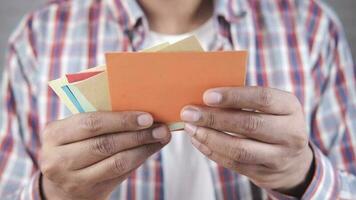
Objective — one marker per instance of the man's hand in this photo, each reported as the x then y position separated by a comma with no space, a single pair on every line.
87,155
257,132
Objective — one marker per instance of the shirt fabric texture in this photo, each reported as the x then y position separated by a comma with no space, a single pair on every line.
294,45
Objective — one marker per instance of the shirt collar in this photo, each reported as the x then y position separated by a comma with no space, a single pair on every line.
126,12
231,10
129,12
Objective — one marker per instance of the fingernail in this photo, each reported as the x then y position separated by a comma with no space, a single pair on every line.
190,129
144,120
159,133
191,115
212,98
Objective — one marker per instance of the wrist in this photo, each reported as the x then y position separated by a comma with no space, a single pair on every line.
301,180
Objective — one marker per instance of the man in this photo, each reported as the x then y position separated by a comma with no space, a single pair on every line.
292,129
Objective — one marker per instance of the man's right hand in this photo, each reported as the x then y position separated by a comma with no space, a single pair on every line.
87,155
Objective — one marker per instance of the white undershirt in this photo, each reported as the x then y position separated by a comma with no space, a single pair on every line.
186,171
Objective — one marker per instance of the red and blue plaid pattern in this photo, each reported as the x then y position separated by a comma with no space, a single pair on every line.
294,45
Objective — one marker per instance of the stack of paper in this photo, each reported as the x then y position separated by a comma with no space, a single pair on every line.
160,80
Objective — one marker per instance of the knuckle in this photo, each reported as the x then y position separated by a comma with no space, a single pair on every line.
233,152
234,97
45,135
295,103
264,97
91,122
46,169
54,168
281,163
49,168
210,119
300,141
71,188
127,121
252,123
244,155
151,148
266,181
120,165
140,137
103,145
240,154
49,132
276,163
203,136
230,163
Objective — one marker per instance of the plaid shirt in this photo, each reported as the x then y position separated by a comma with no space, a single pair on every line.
294,45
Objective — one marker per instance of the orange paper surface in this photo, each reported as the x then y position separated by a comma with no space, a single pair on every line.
163,83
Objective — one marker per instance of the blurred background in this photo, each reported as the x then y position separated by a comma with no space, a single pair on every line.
12,11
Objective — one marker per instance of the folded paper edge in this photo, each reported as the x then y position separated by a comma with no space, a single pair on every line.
56,86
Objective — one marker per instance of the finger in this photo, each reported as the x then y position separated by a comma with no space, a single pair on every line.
87,152
263,99
119,164
87,125
112,183
258,174
239,149
254,125
242,168
73,183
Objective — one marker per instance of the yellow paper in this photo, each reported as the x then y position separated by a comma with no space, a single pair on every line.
187,44
83,101
156,48
56,85
93,93
96,90
101,100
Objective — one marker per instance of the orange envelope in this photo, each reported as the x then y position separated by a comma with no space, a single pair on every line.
163,83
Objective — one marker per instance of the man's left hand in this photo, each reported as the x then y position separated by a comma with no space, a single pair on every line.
258,132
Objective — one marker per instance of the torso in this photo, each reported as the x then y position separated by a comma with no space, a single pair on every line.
278,58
